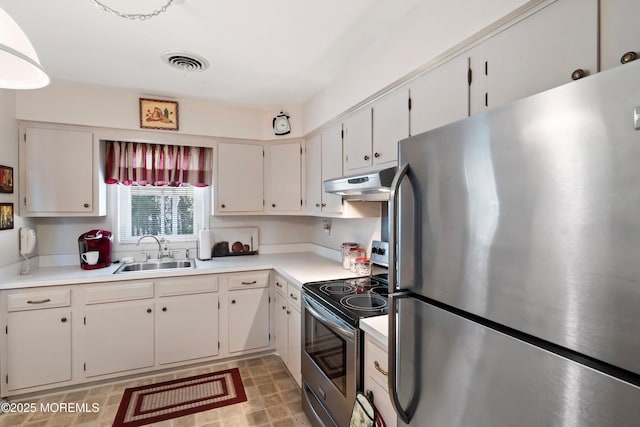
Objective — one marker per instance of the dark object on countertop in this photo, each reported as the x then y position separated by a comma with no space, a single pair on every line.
236,247
221,249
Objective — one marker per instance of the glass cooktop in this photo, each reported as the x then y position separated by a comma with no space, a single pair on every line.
351,299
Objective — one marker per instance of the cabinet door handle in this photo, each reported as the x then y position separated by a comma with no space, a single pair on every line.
578,74
379,369
284,307
253,282
293,297
40,301
317,205
323,205
366,157
86,205
376,155
273,205
233,301
223,205
278,284
164,308
149,310
63,320
288,312
628,57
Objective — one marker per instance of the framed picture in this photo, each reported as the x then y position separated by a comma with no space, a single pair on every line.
6,179
6,216
157,114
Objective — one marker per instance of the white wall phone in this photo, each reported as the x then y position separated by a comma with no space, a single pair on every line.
27,241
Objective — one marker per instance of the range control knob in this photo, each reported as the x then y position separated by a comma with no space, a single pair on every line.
381,251
375,250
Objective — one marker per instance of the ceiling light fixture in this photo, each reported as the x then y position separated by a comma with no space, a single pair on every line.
19,64
140,16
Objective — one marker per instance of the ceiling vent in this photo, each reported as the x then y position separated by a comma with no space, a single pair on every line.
185,61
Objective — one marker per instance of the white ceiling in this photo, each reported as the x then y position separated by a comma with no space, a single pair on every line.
262,54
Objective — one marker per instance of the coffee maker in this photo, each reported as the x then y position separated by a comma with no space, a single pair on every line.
95,249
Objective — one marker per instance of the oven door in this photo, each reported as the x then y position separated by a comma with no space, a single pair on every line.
330,364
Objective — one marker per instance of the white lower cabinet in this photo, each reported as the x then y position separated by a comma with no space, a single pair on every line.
248,312
288,326
281,325
65,335
38,348
375,378
248,320
187,327
118,337
294,353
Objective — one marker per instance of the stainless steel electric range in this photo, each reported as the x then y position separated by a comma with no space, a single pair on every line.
332,348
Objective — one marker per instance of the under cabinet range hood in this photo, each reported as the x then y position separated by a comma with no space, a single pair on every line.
371,186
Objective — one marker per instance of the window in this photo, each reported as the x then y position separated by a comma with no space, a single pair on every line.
177,213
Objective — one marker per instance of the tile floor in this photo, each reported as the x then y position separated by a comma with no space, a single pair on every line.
274,399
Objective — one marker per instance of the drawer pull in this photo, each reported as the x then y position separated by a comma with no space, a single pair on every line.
293,297
253,282
379,369
40,301
278,284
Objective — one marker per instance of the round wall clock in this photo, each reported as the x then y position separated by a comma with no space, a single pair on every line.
281,124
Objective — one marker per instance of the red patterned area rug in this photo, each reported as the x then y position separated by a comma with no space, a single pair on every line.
172,399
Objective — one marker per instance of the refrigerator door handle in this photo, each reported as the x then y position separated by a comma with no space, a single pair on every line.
392,378
393,226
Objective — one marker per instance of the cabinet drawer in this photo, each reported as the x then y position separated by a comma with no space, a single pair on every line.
293,296
281,285
376,362
259,279
187,285
121,292
39,299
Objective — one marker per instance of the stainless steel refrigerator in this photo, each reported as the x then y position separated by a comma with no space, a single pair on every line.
515,263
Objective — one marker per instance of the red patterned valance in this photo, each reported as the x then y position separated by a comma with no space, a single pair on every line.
134,163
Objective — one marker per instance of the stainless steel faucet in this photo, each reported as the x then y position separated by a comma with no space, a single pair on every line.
160,254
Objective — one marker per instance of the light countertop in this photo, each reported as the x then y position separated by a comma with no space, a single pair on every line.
297,268
377,327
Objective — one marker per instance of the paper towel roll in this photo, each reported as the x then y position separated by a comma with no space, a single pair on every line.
204,244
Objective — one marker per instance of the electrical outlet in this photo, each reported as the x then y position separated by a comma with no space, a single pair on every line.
326,226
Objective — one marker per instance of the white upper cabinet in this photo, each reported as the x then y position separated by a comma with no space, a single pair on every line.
619,32
239,178
549,48
440,96
60,173
284,177
323,160
313,174
390,124
357,141
331,166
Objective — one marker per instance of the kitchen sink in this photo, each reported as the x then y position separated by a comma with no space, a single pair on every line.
153,265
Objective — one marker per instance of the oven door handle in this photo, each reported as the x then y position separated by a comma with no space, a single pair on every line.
323,316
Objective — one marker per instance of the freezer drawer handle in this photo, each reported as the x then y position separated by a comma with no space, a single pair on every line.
376,364
392,377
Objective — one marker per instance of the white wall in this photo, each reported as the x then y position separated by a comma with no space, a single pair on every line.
426,33
99,106
359,230
9,240
59,236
